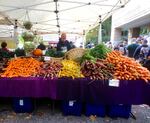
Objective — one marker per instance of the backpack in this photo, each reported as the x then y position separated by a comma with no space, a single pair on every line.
143,53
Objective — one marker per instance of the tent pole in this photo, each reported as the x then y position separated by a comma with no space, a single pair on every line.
83,39
100,31
16,33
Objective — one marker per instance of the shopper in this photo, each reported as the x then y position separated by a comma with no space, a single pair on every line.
4,47
4,52
141,51
132,47
63,44
109,45
122,49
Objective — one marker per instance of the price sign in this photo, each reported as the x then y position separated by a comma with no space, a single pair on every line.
71,103
47,58
21,102
114,83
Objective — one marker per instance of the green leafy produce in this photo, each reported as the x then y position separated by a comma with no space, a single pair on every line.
59,54
29,47
87,56
51,52
100,51
27,36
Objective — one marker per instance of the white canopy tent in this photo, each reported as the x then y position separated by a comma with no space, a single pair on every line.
54,16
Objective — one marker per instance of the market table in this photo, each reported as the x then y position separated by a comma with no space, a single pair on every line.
128,92
24,87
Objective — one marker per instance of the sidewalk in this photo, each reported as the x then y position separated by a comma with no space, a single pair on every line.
44,115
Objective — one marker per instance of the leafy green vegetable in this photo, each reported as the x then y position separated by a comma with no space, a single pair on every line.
100,51
51,52
87,56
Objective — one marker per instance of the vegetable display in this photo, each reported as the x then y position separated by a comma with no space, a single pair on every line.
126,68
70,69
49,69
87,56
22,67
98,70
100,51
115,66
51,52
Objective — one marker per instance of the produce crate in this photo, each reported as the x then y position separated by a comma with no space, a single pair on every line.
95,109
72,108
123,111
22,105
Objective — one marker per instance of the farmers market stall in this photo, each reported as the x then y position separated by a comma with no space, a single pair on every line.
98,77
98,91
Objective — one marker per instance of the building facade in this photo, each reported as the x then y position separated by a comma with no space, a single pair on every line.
134,16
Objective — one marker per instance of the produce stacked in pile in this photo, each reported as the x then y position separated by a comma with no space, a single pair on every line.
70,69
127,68
94,67
22,67
98,70
50,69
100,52
98,63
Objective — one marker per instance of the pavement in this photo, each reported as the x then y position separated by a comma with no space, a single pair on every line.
44,114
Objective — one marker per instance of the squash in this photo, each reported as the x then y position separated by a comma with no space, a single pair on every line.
37,52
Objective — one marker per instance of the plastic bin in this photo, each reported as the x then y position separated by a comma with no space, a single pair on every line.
22,105
95,109
120,110
72,108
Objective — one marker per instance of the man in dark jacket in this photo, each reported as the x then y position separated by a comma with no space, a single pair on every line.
132,47
63,44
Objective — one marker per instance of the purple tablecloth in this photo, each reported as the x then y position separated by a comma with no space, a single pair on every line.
129,92
24,87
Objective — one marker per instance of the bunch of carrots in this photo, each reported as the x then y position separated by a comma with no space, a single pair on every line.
127,68
22,67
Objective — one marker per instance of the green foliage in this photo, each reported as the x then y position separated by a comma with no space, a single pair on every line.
28,25
100,51
106,30
29,47
27,36
87,56
92,35
51,52
144,30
